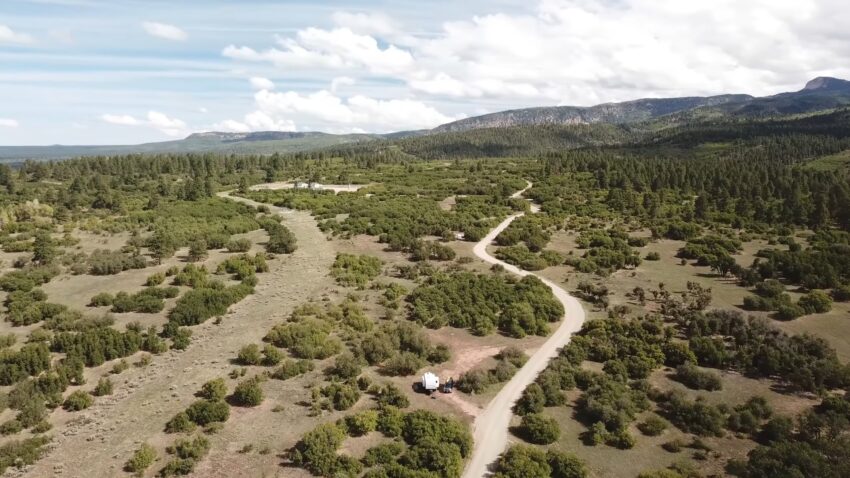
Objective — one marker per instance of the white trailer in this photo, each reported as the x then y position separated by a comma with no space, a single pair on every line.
430,382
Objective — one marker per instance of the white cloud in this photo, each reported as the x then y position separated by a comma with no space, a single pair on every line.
8,123
335,49
125,120
169,126
260,83
154,119
339,81
203,110
357,112
165,31
7,35
583,52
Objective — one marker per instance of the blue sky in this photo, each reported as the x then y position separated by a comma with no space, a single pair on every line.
130,71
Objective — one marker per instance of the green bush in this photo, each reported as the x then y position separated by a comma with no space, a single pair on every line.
355,271
204,412
104,387
78,400
248,393
292,368
141,460
155,279
815,302
238,245
383,454
250,355
102,299
22,452
198,305
316,451
652,426
342,395
522,461
540,429
271,355
180,424
653,256
697,379
214,390
361,423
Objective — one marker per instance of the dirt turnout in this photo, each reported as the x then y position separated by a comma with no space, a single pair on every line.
146,398
490,429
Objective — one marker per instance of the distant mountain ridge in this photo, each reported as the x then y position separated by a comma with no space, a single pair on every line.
819,94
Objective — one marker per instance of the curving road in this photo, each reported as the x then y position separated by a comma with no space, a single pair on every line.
490,429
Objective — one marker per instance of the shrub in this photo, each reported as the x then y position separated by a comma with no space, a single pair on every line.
532,400
238,245
539,429
104,387
204,412
361,423
141,460
565,465
697,379
789,312
342,396
383,454
653,256
652,426
250,355
815,302
391,395
316,451
180,424
214,390
403,364
271,355
352,270
11,427
291,368
695,417
248,393
155,279
102,299
521,461
78,400
198,305
22,452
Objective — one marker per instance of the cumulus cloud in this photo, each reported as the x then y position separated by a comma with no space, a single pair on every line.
165,31
8,123
261,83
326,111
169,126
154,119
7,35
585,52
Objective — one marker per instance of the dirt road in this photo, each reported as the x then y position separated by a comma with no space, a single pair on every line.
490,429
101,438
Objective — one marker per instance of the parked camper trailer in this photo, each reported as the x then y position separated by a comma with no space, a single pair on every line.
430,382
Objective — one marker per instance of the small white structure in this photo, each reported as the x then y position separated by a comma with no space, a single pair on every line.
430,382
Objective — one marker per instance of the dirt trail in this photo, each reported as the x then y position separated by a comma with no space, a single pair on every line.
100,439
490,429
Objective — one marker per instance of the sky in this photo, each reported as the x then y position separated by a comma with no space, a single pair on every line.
134,71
